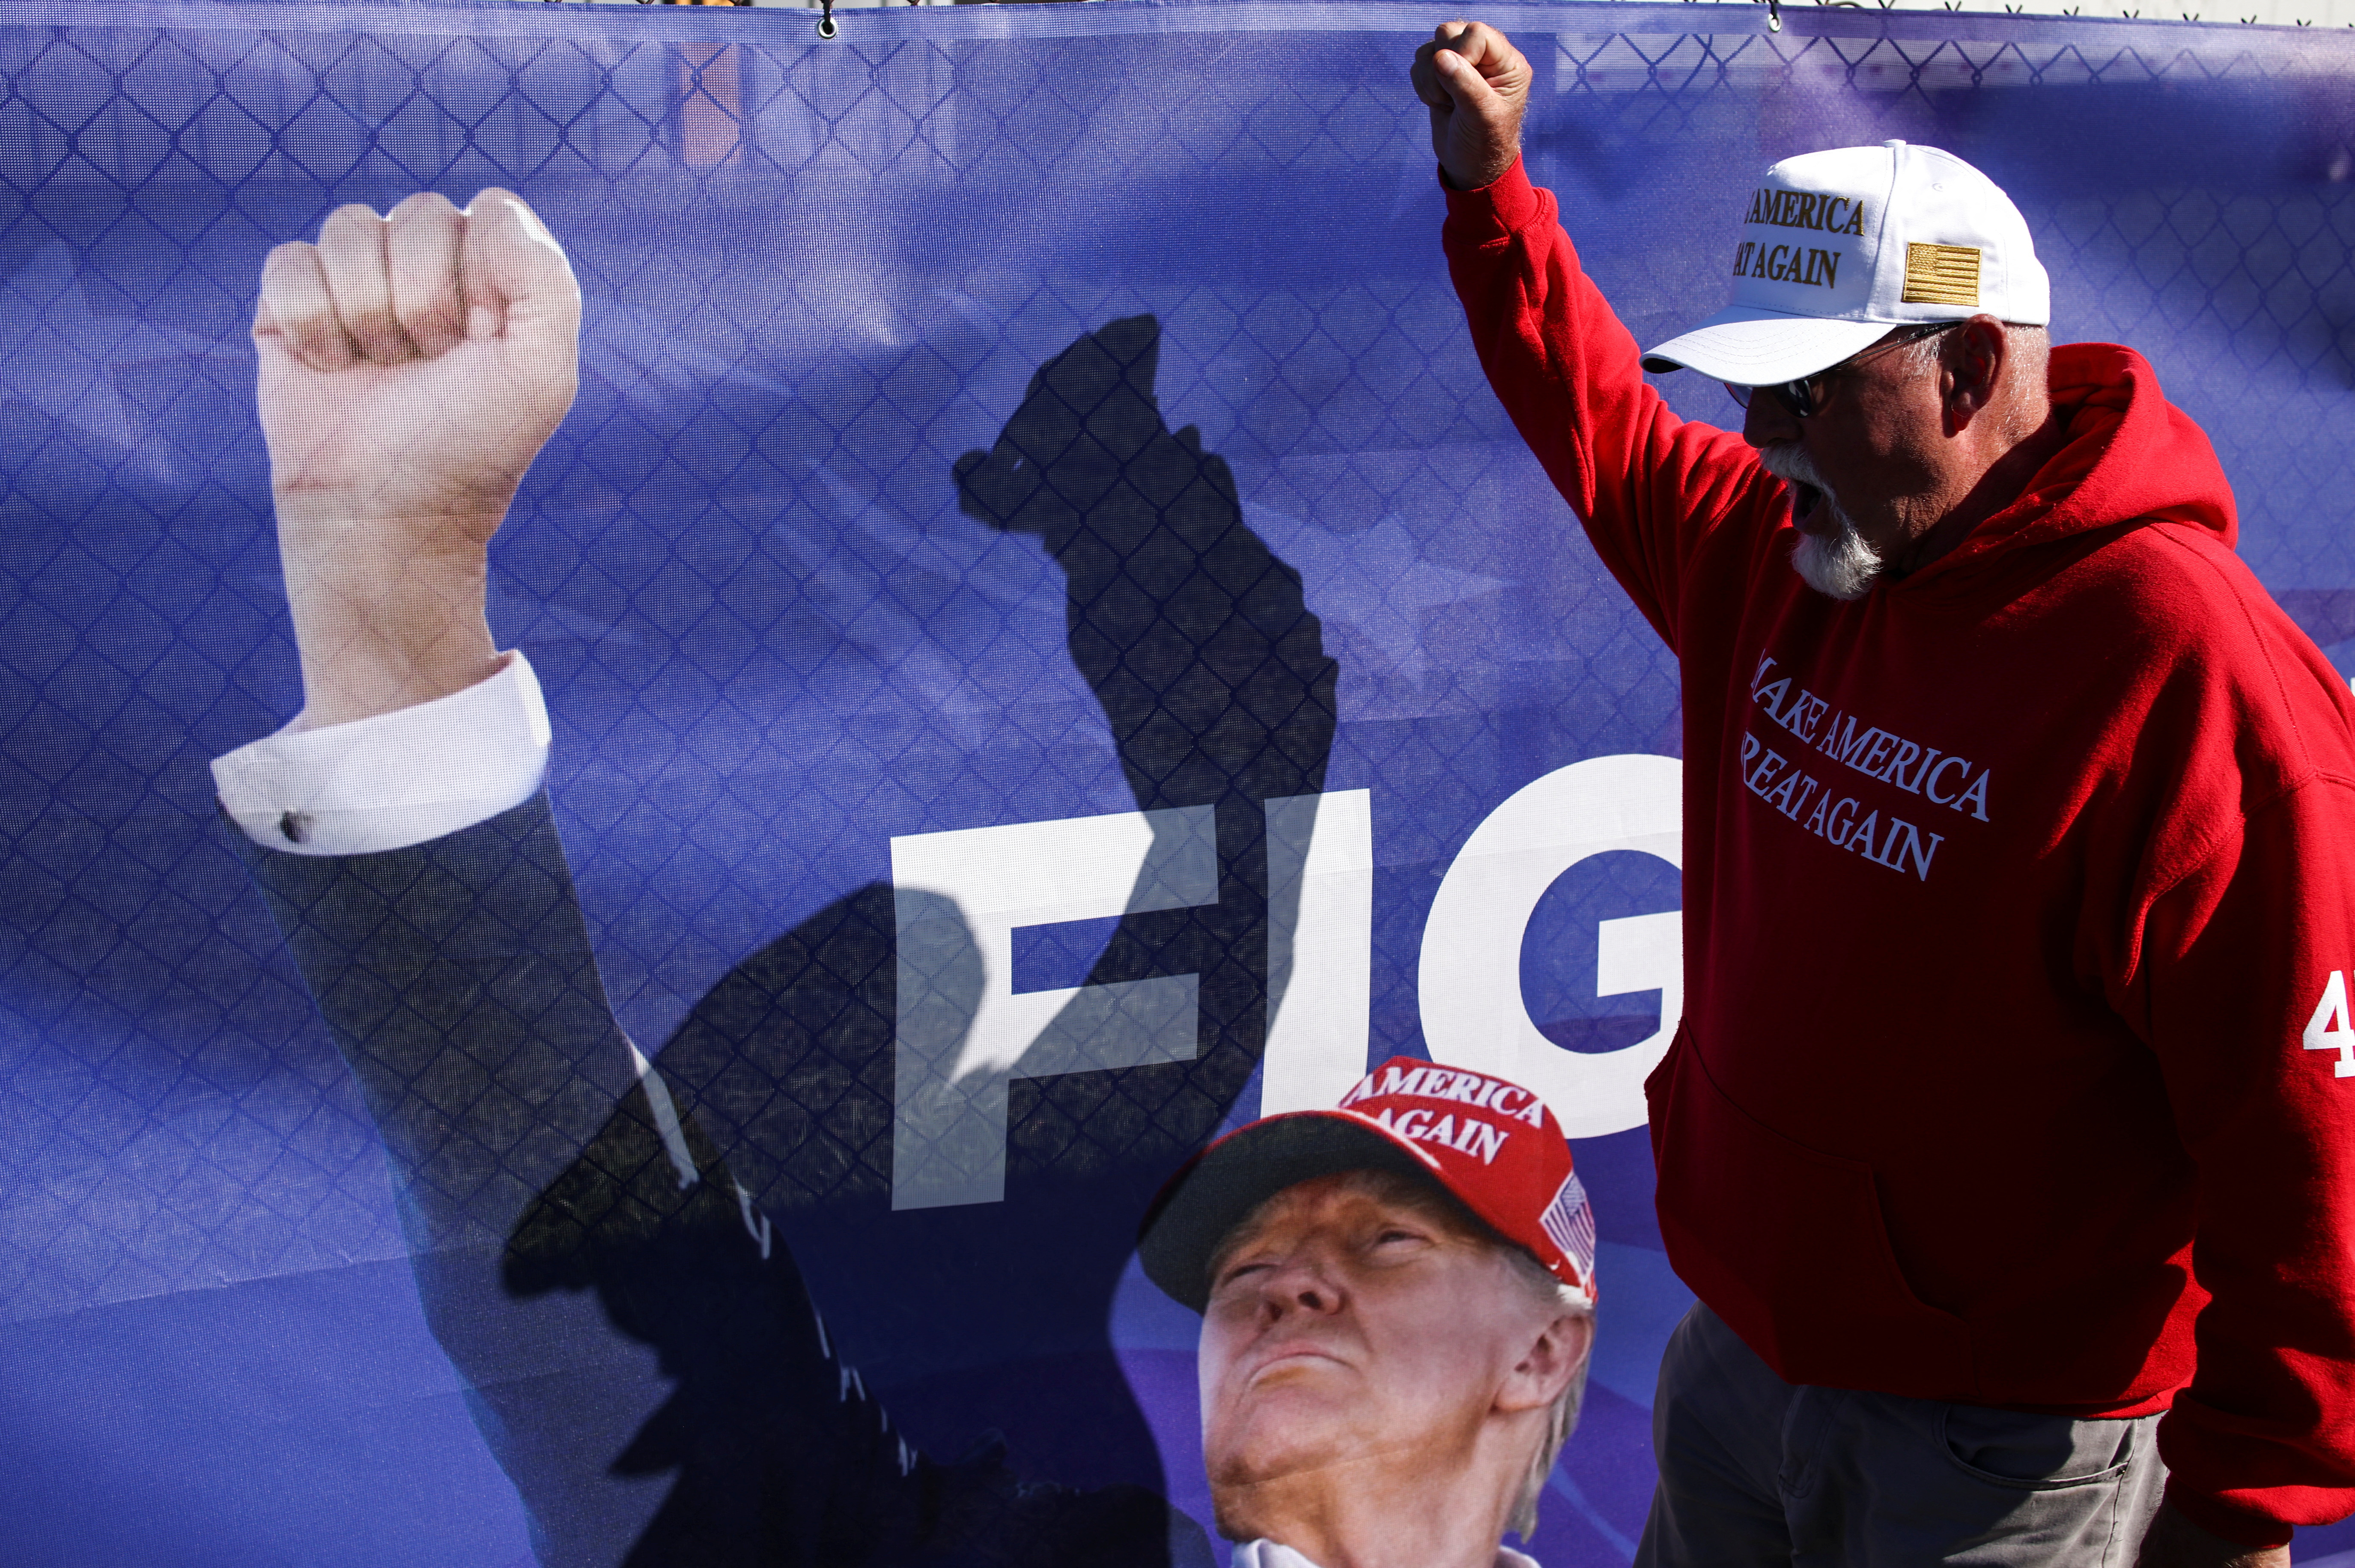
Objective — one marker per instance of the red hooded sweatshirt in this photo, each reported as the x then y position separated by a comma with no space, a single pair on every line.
2017,1066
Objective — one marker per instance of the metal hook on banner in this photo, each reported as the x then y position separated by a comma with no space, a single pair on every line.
825,27
1773,16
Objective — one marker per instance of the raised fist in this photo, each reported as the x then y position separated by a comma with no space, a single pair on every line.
411,367
1476,86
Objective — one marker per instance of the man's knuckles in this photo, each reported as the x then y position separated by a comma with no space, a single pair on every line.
425,293
353,256
434,324
424,208
297,311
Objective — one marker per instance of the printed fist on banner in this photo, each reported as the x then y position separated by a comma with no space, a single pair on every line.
411,368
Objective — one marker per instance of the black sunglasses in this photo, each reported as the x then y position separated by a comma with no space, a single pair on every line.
1802,397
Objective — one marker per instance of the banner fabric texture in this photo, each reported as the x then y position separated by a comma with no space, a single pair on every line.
1030,645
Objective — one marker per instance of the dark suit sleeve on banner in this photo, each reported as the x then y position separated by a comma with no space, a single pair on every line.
644,1356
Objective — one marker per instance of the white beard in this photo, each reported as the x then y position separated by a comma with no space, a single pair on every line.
1839,564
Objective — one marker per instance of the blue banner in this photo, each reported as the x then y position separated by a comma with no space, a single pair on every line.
1051,649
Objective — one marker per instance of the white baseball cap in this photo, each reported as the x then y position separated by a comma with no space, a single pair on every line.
1839,247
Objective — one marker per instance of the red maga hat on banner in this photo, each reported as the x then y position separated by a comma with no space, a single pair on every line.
1492,1144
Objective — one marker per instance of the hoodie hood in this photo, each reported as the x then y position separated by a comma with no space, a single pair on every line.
2131,456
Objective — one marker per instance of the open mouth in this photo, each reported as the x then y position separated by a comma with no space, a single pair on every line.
1806,502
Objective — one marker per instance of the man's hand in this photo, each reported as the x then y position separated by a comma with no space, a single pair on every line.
412,366
2174,1541
1476,86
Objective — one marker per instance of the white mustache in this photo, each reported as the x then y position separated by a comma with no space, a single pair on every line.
1839,564
1789,461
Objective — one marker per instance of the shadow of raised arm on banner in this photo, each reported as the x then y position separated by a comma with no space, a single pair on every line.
990,1320
1212,673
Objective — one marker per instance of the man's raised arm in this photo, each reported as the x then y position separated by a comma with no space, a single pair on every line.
412,366
1649,486
1476,86
638,1346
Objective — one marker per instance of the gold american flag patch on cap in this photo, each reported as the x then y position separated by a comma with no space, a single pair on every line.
1941,275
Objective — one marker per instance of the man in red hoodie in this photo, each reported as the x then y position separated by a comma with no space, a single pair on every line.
2012,1115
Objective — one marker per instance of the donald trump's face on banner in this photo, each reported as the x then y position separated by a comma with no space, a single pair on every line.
1394,1339
1362,1321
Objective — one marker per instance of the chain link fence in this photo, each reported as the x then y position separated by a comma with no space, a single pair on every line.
777,628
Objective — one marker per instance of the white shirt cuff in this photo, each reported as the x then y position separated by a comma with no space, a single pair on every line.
399,778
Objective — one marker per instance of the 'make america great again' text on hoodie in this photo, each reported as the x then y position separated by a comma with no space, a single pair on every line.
2019,903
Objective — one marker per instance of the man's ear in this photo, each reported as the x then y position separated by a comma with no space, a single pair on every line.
1971,365
1537,1379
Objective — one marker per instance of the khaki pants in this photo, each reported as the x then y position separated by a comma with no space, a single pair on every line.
1754,1470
